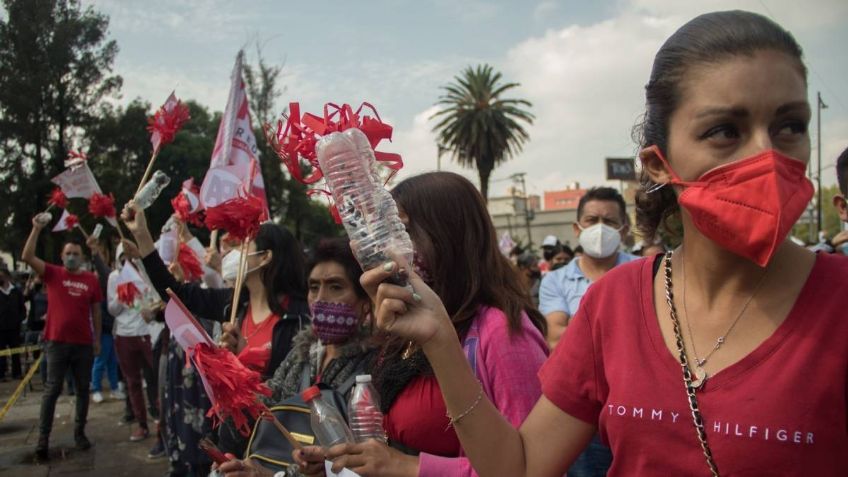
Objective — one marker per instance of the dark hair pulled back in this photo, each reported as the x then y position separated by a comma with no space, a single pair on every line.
708,38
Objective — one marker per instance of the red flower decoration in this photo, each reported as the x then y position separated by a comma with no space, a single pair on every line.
71,221
128,293
239,217
58,198
188,261
234,387
101,205
165,123
75,159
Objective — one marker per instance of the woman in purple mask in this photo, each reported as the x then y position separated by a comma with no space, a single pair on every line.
337,345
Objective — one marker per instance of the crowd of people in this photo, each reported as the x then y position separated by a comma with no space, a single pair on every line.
715,346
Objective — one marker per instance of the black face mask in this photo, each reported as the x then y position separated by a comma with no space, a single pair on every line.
548,255
536,274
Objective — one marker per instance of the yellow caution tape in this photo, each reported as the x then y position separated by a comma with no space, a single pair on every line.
22,349
24,382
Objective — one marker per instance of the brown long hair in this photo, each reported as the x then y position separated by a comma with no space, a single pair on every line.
447,213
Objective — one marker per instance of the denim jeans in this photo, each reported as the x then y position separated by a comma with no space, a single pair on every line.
60,358
106,361
595,461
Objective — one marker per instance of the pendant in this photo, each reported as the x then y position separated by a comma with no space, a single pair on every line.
700,377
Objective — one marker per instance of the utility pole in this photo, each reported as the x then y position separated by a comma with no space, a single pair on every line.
819,106
519,178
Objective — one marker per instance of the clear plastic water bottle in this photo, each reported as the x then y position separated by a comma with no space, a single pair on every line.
368,211
366,419
148,194
44,218
328,424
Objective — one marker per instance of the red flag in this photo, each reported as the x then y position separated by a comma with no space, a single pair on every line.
167,120
233,168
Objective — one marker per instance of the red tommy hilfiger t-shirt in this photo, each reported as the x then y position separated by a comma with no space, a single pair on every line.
780,410
69,300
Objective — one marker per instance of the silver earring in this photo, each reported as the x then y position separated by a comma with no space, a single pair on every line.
655,188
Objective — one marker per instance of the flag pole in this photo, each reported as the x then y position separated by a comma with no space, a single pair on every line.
148,171
239,281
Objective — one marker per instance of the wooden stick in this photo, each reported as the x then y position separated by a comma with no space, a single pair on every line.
239,282
285,432
213,240
84,233
147,171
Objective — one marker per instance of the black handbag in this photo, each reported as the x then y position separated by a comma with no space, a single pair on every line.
269,448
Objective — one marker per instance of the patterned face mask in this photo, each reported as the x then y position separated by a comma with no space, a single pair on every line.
334,323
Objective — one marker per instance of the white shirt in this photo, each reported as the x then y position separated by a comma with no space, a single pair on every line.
128,321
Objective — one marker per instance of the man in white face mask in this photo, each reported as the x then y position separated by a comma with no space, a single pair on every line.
840,201
601,225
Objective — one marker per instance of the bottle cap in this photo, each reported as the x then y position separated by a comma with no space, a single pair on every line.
363,378
310,393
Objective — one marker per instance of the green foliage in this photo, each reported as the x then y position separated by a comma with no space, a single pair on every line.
477,126
55,68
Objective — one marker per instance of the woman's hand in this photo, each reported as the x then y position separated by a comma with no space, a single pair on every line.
130,249
418,315
373,458
213,259
310,460
244,468
232,338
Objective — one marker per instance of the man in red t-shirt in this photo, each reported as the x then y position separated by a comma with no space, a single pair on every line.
71,333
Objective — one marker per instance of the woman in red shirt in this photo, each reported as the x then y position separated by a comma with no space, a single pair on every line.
727,356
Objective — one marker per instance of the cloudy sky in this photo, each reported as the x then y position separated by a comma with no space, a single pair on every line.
582,64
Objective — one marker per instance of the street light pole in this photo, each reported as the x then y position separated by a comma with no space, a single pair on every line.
519,177
819,106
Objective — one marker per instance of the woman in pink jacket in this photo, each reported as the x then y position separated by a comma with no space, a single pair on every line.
501,332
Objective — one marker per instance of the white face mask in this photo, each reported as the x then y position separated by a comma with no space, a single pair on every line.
599,240
230,265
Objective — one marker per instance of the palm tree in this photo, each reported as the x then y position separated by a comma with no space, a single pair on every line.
477,127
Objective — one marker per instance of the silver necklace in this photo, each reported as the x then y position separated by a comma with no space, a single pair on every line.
700,373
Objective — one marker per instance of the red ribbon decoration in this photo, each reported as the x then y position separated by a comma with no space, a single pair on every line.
188,261
298,136
168,122
128,293
101,205
182,207
234,387
58,198
240,217
71,221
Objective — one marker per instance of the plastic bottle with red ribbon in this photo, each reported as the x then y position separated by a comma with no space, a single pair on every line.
367,210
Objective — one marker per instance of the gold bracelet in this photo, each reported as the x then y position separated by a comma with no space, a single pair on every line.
455,420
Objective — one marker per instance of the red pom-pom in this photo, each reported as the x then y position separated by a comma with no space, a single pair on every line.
239,217
167,121
182,207
233,386
58,198
128,293
71,221
188,261
101,205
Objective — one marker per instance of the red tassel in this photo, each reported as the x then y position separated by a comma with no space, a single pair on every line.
71,221
234,387
167,122
101,205
239,217
182,207
188,261
58,198
128,293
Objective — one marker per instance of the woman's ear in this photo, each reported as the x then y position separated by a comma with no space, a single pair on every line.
654,165
268,258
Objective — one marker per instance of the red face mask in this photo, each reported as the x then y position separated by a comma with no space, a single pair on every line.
747,206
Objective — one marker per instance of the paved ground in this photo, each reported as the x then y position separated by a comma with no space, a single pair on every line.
112,453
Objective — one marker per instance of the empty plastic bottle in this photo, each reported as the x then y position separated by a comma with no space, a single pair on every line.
366,419
148,194
367,210
328,425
